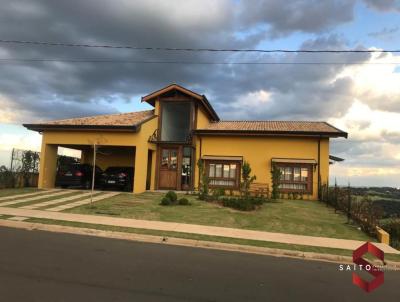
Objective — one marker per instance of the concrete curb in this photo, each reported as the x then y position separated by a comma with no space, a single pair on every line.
186,242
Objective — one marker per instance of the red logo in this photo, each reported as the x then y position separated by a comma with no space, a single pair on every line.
368,267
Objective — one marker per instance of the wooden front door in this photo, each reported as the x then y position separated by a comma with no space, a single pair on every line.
168,176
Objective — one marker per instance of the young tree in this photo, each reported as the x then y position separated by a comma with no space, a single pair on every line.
203,180
247,178
275,176
30,160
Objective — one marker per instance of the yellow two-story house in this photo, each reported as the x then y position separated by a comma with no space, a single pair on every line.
164,145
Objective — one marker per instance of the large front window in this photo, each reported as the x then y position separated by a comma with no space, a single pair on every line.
175,122
295,178
223,174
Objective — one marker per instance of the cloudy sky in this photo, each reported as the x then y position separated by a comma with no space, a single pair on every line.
363,99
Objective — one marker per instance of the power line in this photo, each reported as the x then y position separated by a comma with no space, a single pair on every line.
42,43
113,61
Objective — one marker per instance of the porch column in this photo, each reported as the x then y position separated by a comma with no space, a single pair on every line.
139,181
153,170
48,165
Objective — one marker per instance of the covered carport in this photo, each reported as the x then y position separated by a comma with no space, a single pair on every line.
106,156
115,145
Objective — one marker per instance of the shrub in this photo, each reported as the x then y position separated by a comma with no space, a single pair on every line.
243,204
391,208
172,196
183,201
247,179
275,177
218,192
204,180
165,201
393,228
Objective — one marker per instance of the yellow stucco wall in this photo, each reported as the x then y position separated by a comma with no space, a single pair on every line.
116,158
202,119
258,151
139,140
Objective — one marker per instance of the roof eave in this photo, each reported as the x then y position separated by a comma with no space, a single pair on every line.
270,133
150,99
43,127
211,110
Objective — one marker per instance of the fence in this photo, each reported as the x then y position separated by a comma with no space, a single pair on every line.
24,169
361,210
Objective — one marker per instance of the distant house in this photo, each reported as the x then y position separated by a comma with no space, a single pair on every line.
164,145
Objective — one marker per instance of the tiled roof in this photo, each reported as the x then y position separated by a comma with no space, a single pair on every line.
272,127
120,119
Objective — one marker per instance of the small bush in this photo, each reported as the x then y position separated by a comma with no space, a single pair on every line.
183,201
243,204
165,201
172,196
218,192
393,228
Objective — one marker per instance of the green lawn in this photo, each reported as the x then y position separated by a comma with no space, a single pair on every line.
301,217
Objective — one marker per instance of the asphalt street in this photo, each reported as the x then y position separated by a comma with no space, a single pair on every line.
44,266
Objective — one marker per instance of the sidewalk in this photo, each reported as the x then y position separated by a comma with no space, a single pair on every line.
196,229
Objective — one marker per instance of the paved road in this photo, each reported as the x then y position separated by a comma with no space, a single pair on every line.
42,266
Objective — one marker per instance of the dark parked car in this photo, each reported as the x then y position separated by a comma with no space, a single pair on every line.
77,175
117,177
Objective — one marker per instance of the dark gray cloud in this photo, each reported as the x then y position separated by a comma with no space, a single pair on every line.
384,5
298,91
385,32
283,17
50,90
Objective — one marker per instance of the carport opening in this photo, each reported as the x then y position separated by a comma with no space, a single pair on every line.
114,166
67,156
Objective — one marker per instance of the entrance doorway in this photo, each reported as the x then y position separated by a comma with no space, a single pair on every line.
168,168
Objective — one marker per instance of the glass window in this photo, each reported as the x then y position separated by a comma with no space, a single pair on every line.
232,172
218,170
186,168
295,178
304,174
169,159
174,159
175,126
288,173
296,174
211,172
187,152
165,158
226,171
223,174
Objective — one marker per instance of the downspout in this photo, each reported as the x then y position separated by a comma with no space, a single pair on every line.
200,147
319,167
